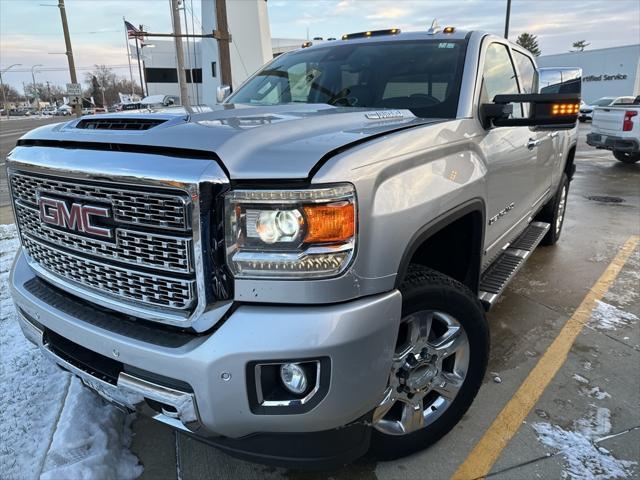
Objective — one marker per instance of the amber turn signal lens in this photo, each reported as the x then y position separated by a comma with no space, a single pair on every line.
330,223
565,108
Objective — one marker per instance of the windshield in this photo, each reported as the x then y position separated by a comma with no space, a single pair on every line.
603,102
422,76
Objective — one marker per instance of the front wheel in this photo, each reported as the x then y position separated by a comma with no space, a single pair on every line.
626,157
439,363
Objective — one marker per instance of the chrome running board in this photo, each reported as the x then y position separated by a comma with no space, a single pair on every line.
498,275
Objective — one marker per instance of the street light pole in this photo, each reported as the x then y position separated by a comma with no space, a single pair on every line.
506,21
67,41
36,96
4,94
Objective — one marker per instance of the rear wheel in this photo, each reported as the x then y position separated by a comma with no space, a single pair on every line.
439,363
626,157
554,212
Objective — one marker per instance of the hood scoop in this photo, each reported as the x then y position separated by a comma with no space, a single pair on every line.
119,123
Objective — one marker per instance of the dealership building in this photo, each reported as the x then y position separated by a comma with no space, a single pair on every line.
606,72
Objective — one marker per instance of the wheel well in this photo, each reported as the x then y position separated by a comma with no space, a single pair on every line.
569,166
454,250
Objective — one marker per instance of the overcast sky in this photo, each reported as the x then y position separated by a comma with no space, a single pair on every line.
31,33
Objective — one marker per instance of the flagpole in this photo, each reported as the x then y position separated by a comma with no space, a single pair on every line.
139,67
126,37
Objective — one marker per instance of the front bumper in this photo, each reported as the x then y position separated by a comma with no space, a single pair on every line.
609,142
358,337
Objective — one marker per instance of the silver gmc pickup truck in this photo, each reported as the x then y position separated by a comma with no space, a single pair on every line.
298,275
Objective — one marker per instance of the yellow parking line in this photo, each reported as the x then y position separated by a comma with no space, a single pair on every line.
481,459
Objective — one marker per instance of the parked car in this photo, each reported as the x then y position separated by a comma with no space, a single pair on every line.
298,278
617,128
49,110
586,111
64,110
19,112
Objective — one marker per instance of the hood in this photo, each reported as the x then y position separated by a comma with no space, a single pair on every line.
253,142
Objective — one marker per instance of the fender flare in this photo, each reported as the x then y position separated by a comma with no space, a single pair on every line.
476,205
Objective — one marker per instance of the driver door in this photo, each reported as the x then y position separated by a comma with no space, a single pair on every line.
511,157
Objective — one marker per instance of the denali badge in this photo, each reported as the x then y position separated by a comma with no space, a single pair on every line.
384,115
77,217
501,213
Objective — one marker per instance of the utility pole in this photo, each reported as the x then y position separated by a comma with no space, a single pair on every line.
77,109
182,76
223,37
49,91
506,21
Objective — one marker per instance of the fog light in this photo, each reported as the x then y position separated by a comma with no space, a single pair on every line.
294,378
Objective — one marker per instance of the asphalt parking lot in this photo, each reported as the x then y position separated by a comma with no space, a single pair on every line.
10,131
538,415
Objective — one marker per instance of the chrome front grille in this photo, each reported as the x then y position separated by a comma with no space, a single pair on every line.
168,253
149,263
126,284
131,206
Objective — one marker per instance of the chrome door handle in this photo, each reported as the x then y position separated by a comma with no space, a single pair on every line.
553,134
531,144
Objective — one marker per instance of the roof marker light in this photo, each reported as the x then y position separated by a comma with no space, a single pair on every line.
448,30
371,33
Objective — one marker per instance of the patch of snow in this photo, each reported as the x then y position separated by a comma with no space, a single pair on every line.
587,365
580,378
626,287
608,317
597,393
49,424
91,441
583,458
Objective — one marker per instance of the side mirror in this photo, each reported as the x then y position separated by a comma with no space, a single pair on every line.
557,111
555,107
222,92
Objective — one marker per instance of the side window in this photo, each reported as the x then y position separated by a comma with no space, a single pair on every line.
499,76
527,72
526,76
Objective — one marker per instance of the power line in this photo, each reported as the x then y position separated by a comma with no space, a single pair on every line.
64,69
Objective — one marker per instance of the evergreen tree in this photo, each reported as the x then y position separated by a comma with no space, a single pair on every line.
530,42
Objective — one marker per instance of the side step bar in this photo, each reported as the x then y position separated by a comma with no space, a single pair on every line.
498,275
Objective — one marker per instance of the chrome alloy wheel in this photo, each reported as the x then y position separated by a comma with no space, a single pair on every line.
429,367
562,205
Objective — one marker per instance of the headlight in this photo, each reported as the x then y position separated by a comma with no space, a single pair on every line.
290,233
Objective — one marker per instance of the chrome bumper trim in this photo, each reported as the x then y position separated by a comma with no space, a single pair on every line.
179,408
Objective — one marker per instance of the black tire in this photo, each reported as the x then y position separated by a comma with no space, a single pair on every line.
554,213
582,119
426,289
627,157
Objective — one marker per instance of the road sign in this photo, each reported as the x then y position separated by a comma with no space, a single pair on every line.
74,89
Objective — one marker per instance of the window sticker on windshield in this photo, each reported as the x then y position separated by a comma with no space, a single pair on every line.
446,45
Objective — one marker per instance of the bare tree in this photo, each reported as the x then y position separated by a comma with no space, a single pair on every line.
104,79
11,94
45,91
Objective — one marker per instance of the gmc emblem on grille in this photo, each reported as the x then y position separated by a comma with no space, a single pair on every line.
76,217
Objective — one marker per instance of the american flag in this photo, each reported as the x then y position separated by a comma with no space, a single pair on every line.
131,30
